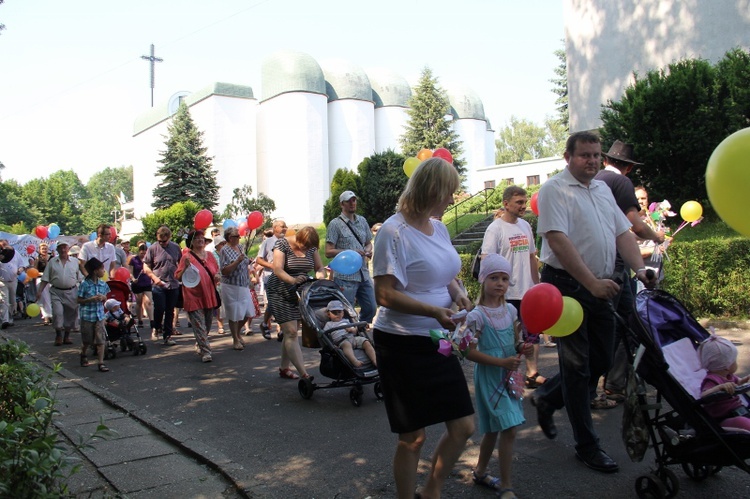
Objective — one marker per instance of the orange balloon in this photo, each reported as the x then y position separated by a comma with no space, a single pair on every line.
424,154
33,273
290,232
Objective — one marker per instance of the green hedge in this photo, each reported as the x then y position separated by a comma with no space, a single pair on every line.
710,277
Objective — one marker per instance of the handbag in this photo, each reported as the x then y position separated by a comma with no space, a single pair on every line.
476,264
216,291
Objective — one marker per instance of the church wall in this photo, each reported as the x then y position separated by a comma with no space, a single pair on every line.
517,173
473,134
489,148
390,123
229,126
351,133
293,155
607,41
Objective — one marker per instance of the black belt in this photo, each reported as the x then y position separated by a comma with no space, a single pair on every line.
555,271
64,289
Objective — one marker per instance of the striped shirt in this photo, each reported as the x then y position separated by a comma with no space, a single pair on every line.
239,277
92,311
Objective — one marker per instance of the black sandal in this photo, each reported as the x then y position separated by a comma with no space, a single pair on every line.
531,381
103,368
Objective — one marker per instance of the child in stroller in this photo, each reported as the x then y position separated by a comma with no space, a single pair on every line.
719,358
119,323
345,336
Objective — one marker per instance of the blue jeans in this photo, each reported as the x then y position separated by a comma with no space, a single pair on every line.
363,292
165,300
584,357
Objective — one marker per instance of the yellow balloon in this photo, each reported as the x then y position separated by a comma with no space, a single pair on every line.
691,211
728,179
570,320
105,277
410,165
32,310
424,154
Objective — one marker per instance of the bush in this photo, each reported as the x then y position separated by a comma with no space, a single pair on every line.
710,276
33,463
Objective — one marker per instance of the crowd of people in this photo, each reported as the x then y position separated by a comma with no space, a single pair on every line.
594,242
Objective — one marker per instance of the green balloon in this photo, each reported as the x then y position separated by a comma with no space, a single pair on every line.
728,180
570,320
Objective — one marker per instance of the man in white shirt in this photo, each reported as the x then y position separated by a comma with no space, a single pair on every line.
101,249
511,237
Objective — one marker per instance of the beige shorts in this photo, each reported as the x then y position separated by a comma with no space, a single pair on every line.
92,333
356,341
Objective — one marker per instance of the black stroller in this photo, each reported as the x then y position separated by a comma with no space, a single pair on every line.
680,430
314,297
126,334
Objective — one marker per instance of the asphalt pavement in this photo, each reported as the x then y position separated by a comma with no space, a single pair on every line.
234,428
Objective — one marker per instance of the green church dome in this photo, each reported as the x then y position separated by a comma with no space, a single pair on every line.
389,88
288,71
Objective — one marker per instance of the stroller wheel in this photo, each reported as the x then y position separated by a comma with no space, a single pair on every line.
378,391
650,487
306,388
112,352
123,346
142,348
355,395
671,483
697,472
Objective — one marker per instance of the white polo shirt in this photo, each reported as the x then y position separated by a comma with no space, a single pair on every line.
588,215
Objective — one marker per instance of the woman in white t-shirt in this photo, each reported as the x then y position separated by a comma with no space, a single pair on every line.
414,269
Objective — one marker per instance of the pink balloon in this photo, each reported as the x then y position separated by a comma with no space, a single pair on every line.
443,153
203,219
254,220
243,229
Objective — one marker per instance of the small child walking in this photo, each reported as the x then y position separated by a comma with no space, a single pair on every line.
92,293
719,358
347,338
499,411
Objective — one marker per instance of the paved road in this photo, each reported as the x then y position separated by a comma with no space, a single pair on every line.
325,447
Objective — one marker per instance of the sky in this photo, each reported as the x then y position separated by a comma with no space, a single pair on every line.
72,80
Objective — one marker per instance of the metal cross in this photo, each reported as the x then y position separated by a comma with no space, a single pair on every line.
152,59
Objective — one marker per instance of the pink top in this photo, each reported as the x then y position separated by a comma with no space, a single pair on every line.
204,294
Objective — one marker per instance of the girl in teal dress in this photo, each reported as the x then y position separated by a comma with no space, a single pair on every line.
495,324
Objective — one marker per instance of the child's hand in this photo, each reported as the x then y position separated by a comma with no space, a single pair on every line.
744,380
510,363
728,387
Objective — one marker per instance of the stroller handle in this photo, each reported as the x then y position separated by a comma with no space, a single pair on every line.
738,390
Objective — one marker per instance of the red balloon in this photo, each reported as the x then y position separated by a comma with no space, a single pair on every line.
254,220
243,229
112,234
30,249
41,231
541,307
443,153
122,274
535,203
203,219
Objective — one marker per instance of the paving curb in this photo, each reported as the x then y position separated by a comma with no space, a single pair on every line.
200,451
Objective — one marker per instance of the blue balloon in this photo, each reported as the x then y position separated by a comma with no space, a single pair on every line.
148,244
92,236
346,262
53,231
22,277
229,223
52,246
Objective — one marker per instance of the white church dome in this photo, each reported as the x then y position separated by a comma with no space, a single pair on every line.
465,103
288,71
345,80
389,88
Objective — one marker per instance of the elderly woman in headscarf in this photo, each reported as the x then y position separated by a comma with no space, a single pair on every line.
235,285
199,298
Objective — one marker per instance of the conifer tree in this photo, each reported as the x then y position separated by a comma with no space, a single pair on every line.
561,87
428,127
186,170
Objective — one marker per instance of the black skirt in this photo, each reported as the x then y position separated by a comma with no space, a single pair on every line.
421,387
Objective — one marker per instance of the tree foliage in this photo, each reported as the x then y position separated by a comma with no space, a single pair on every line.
13,207
178,217
560,88
523,140
675,118
186,170
343,180
59,199
243,203
428,126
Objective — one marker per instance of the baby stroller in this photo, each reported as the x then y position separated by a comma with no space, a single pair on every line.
130,341
314,298
681,431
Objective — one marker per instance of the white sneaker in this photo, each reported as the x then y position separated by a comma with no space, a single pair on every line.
170,342
155,335
207,358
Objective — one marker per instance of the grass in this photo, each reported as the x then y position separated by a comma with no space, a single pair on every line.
707,229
